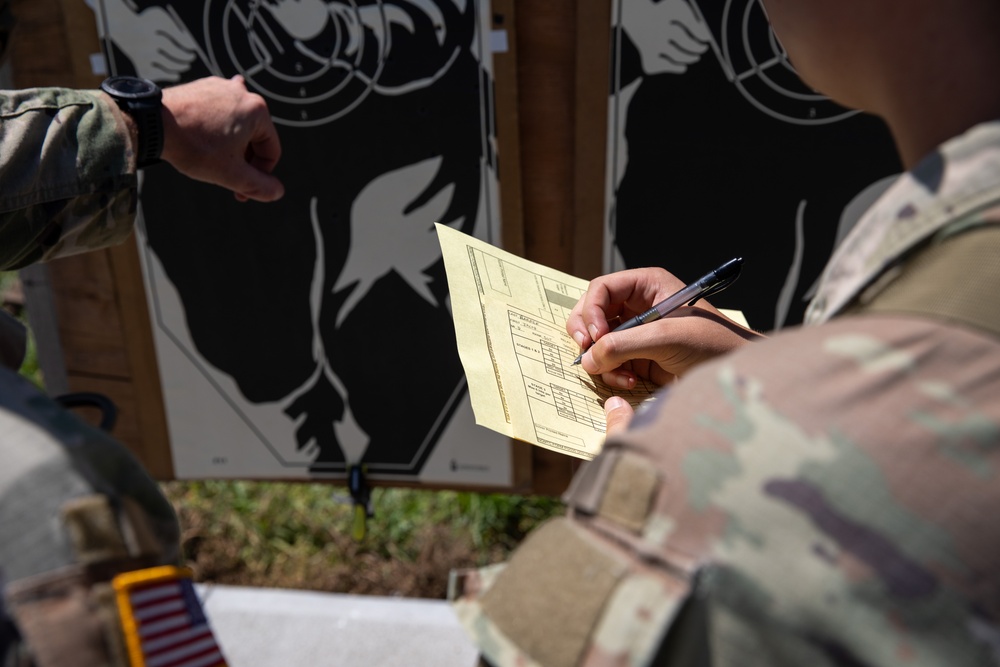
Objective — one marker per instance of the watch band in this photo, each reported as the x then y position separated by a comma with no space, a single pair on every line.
149,119
141,99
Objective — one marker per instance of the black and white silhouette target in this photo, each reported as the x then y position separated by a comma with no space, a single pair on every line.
720,150
755,62
319,326
313,70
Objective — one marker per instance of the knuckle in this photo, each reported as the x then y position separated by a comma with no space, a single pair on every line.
610,348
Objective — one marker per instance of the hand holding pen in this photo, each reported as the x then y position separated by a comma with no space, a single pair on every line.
666,347
709,284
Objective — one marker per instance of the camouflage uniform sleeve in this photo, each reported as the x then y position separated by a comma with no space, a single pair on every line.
825,497
68,172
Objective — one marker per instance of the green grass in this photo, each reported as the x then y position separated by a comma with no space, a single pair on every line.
298,535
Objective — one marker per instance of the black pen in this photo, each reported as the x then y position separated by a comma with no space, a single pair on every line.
709,284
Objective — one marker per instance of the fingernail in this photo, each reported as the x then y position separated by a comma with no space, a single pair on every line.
623,381
614,403
580,339
592,328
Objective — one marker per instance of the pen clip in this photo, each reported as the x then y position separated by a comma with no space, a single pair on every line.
715,289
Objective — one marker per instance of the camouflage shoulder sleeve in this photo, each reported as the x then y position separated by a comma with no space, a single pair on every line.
824,497
68,174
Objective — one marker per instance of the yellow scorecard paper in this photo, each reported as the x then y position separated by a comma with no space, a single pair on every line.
510,319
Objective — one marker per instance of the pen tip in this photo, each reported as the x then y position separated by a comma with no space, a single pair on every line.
577,361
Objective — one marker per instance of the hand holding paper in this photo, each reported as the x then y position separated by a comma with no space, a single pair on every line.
510,319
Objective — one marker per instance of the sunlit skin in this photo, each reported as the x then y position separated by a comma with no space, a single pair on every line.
216,131
928,68
698,332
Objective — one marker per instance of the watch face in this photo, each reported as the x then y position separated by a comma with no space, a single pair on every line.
130,87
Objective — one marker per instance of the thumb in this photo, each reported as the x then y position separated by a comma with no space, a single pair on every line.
618,414
257,185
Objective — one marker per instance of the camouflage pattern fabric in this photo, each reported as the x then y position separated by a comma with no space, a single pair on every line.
75,507
824,497
78,192
950,188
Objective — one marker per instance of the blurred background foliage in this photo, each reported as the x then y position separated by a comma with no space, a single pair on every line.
298,535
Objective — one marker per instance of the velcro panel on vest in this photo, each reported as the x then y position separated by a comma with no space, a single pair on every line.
93,529
956,278
577,575
617,485
66,620
587,488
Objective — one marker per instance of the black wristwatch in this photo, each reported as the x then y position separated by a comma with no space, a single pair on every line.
141,99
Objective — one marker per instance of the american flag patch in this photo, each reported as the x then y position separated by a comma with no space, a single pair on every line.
162,619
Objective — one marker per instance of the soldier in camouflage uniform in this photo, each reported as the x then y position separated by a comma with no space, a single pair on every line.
76,509
824,496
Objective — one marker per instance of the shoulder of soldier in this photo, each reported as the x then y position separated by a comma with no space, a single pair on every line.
808,498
